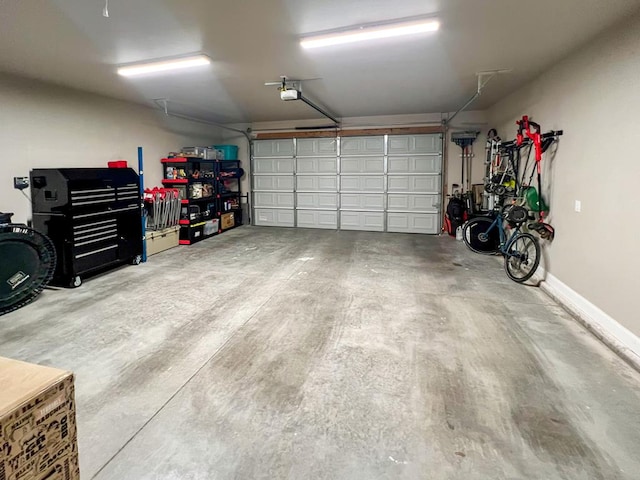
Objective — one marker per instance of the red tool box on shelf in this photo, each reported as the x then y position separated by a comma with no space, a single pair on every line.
117,164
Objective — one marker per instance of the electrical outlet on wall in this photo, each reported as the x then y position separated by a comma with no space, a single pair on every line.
578,206
20,183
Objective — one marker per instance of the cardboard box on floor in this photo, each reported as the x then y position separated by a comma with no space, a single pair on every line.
227,220
37,423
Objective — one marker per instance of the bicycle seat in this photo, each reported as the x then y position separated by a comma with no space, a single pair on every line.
516,214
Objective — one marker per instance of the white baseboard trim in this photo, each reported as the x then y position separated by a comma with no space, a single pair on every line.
609,331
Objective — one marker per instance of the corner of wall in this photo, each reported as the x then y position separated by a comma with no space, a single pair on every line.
605,328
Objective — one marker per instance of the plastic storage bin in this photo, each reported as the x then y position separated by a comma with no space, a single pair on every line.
162,240
211,227
227,152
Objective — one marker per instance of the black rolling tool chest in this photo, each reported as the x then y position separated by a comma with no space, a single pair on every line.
92,215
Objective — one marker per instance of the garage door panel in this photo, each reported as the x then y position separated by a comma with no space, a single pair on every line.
273,199
318,219
413,222
273,165
321,183
362,165
420,144
362,146
273,148
359,201
413,184
279,183
362,183
316,146
370,183
366,221
413,203
311,166
274,217
317,200
431,164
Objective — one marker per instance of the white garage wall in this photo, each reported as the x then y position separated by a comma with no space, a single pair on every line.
44,126
594,95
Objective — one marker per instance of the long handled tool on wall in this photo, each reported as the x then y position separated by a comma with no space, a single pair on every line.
528,129
465,141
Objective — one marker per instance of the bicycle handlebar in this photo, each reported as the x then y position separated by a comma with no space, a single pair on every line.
553,133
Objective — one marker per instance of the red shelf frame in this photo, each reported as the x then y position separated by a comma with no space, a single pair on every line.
175,181
174,160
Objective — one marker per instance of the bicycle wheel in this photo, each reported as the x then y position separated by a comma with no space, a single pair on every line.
479,238
522,258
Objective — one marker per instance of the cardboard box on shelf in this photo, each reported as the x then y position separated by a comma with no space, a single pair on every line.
227,221
37,423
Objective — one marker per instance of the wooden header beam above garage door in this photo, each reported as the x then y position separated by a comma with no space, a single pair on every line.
350,133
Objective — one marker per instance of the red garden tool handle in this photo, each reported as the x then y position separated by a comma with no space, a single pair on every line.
525,128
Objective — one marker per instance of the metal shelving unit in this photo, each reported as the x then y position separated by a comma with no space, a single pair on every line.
211,190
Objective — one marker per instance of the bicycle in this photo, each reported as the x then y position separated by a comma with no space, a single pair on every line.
521,251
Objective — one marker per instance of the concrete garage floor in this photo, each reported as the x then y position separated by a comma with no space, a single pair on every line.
291,354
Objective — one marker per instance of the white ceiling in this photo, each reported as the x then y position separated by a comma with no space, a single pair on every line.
69,42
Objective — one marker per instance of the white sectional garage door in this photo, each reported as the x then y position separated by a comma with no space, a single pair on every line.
317,183
375,183
414,183
362,183
273,170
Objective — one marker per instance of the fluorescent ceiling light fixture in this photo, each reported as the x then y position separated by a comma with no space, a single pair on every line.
363,33
163,66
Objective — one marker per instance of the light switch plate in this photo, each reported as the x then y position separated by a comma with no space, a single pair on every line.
578,206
